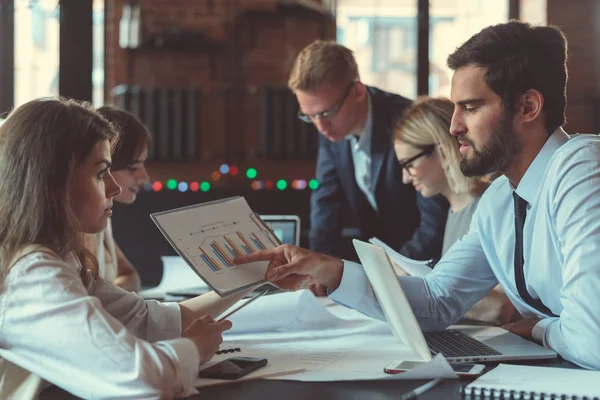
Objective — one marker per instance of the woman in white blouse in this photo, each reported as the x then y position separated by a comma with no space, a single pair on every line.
430,159
128,169
59,322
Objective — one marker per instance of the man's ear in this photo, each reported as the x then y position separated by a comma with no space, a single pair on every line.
360,90
530,105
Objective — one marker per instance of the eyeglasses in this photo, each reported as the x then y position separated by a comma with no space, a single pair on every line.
332,112
407,164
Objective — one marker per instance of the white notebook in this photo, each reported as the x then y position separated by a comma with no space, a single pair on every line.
524,382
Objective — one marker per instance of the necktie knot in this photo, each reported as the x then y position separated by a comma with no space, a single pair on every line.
520,205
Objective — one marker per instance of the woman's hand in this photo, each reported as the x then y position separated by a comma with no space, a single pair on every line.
207,335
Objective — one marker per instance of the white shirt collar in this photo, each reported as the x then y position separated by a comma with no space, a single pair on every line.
364,140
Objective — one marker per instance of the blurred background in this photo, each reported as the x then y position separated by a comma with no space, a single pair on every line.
208,77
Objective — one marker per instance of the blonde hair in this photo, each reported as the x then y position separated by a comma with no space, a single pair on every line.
323,62
427,123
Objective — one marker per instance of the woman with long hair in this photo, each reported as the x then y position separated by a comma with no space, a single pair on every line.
128,169
59,322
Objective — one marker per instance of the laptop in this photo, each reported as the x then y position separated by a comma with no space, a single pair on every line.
459,343
285,227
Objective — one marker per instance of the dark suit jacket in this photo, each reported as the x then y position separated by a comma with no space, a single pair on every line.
405,220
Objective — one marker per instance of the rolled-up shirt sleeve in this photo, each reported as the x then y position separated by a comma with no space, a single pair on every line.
150,320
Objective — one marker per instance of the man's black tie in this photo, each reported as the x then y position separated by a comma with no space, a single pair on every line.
520,214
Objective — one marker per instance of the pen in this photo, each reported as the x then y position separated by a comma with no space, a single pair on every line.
243,305
420,390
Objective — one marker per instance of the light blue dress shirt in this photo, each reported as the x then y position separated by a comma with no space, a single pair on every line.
561,249
361,157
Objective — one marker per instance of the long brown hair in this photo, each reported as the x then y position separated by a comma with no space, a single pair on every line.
134,136
42,143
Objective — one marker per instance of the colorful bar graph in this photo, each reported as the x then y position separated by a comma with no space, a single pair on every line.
219,255
235,248
207,261
262,246
233,253
255,243
244,240
220,250
211,263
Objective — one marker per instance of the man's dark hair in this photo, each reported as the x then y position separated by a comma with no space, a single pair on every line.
518,57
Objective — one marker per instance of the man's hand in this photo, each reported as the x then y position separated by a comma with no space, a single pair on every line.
318,290
523,328
292,268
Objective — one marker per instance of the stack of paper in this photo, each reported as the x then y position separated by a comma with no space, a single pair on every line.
299,334
410,266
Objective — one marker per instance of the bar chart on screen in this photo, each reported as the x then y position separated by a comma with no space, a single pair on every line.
210,236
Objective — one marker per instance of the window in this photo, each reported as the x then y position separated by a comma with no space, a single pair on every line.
37,36
36,49
452,23
98,60
382,35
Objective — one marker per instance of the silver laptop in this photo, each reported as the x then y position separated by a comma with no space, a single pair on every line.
285,227
459,343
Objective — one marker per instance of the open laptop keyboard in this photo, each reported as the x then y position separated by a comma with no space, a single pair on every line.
452,343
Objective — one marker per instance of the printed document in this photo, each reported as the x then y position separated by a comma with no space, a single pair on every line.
209,236
410,266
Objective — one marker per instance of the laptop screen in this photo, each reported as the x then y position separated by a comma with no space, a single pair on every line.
285,227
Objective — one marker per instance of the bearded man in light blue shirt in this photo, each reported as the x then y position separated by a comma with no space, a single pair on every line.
537,228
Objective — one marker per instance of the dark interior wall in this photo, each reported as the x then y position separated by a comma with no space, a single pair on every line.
580,21
236,56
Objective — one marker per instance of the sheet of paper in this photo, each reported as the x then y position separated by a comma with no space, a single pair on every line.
438,367
177,275
335,358
558,381
326,343
210,235
412,267
294,311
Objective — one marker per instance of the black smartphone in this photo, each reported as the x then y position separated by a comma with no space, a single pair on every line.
233,368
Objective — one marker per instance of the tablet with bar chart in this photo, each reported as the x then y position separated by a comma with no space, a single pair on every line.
208,236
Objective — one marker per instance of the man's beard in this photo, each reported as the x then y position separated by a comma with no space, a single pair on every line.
500,149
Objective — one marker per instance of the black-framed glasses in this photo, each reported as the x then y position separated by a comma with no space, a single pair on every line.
407,164
332,112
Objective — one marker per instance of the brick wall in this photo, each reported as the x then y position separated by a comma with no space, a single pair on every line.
251,44
580,21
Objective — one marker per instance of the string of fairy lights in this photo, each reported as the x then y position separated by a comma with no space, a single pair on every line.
232,170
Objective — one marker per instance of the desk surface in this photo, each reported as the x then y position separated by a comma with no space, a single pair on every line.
291,390
348,390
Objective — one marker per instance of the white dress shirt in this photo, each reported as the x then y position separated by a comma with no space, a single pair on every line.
95,342
561,249
361,157
105,243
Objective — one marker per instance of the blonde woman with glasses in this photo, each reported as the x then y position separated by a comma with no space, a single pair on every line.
430,160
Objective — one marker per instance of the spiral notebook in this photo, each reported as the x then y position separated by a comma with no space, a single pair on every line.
525,382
